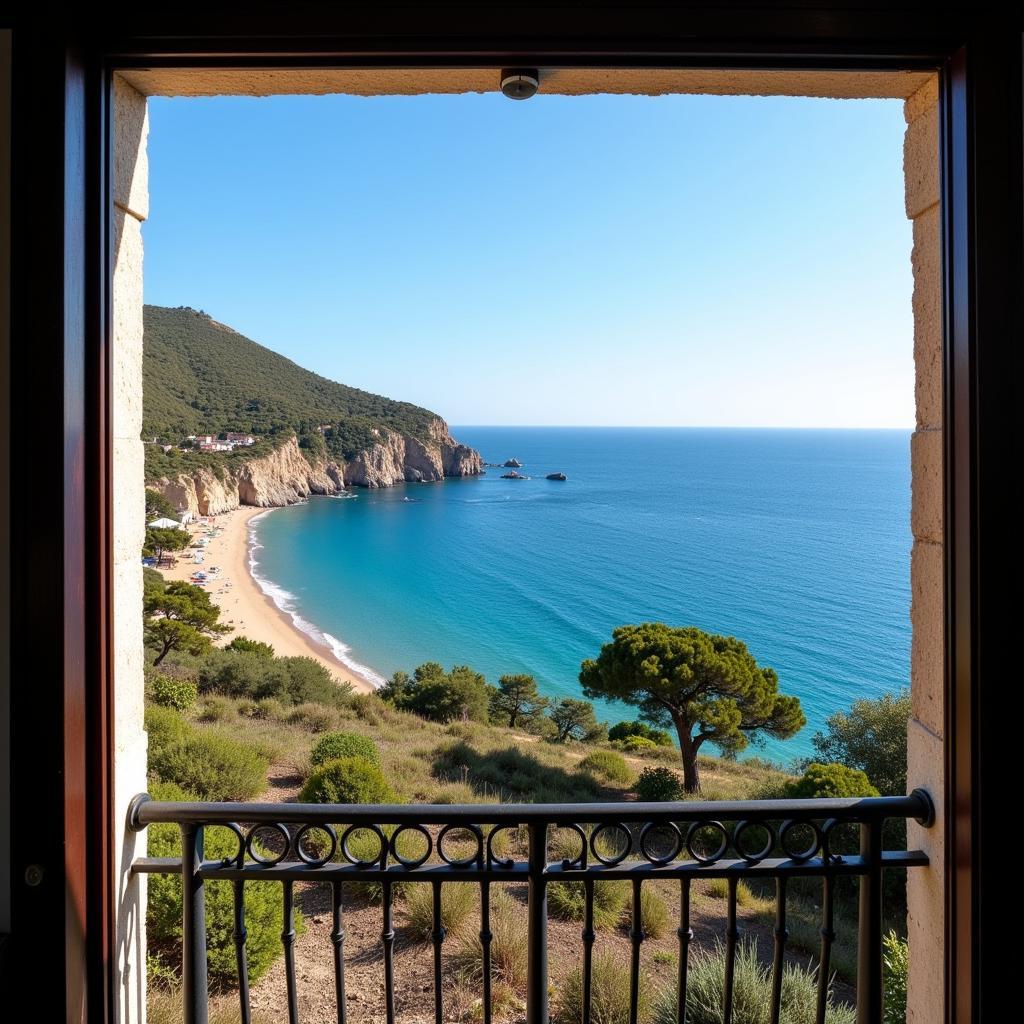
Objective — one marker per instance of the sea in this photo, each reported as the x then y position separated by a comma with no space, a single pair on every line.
795,541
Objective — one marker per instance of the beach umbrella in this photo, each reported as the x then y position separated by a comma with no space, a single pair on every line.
165,524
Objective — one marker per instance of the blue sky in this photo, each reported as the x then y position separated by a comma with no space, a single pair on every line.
677,260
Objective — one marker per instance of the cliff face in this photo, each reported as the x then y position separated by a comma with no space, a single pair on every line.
286,475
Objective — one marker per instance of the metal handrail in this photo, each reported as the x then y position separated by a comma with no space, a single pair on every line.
684,859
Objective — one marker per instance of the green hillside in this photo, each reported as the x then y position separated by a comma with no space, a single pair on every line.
201,377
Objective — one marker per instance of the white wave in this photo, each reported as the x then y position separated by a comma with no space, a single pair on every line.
285,601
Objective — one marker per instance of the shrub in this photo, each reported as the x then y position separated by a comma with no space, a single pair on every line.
508,946
312,717
364,845
166,728
830,780
635,744
179,694
458,901
347,780
752,992
343,744
262,710
212,766
871,736
641,730
567,901
609,994
659,784
440,696
606,764
257,647
264,917
654,915
217,709
245,673
895,962
718,889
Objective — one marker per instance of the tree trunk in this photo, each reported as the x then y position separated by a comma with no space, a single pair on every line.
162,655
688,749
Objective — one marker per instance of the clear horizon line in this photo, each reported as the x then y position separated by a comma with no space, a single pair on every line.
670,426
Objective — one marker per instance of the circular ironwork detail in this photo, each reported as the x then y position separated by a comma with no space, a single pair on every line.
677,841
316,862
461,862
270,826
706,858
492,858
411,862
581,859
759,855
595,835
381,838
801,854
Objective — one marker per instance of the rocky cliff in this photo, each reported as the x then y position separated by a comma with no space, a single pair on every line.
286,476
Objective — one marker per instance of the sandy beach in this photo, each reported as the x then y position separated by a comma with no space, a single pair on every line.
243,604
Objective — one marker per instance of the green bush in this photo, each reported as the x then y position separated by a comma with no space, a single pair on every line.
635,744
567,901
608,765
313,717
659,784
213,766
347,780
166,728
830,780
609,994
641,730
895,962
179,694
752,992
440,696
264,710
251,674
217,709
264,917
343,744
243,643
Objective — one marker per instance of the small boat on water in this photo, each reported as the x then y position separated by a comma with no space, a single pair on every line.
556,476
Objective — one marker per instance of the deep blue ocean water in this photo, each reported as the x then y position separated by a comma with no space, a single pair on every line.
796,541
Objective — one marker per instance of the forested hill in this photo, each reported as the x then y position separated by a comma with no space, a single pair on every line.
202,377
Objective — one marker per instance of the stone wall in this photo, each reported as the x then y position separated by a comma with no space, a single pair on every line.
131,205
925,761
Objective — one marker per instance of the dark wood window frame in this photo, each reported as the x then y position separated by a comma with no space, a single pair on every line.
60,552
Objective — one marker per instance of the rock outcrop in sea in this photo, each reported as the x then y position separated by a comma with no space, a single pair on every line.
286,476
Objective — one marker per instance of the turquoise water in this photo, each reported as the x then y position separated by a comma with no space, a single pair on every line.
796,541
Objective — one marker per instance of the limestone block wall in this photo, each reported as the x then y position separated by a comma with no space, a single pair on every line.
131,205
925,761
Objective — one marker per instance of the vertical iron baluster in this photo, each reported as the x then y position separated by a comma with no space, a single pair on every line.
685,934
636,936
731,935
387,938
288,941
781,935
438,936
239,935
537,928
869,940
485,945
193,926
827,936
588,945
338,940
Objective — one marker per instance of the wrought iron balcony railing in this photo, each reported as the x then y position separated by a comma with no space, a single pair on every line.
638,842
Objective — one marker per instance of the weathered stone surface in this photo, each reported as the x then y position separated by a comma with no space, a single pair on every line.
287,476
926,261
926,485
927,652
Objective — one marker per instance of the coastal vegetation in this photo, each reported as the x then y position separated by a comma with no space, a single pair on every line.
231,722
181,617
202,377
709,687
